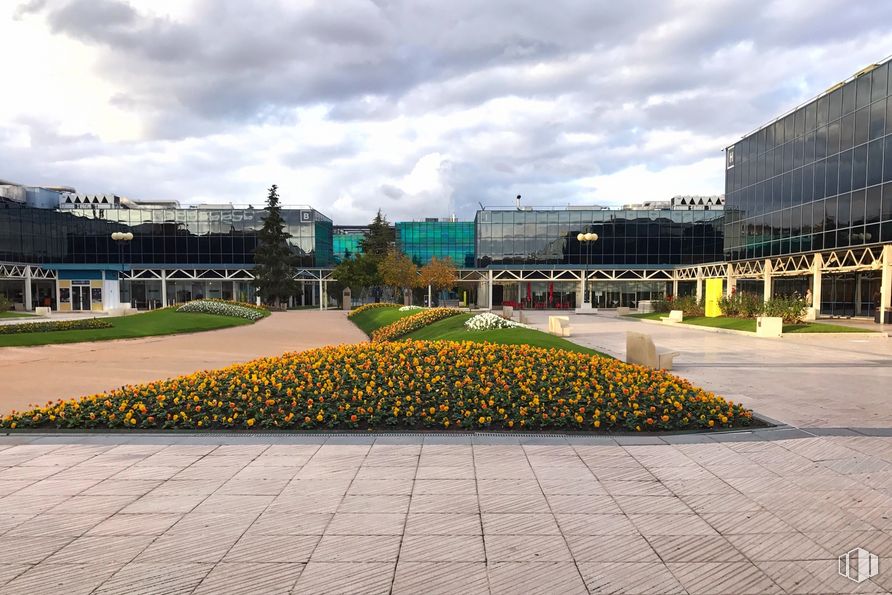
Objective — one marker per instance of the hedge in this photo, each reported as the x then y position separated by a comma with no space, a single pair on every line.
54,325
221,308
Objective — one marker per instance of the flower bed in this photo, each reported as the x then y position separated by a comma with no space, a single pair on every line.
487,321
411,308
406,325
55,325
365,307
260,308
411,384
221,308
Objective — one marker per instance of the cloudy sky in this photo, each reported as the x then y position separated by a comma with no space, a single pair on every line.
419,107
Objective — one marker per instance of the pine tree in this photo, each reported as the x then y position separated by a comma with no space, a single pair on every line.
273,261
380,238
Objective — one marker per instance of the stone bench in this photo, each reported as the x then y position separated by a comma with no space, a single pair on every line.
769,326
43,310
623,311
674,316
559,325
640,349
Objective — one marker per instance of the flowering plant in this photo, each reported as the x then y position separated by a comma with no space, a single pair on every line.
411,308
406,325
487,320
405,384
365,307
221,308
54,325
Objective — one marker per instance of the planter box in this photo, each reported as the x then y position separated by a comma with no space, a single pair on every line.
769,326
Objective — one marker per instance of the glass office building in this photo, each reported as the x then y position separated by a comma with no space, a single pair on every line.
817,180
655,238
423,240
346,242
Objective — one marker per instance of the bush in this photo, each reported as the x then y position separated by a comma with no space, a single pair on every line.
55,325
5,303
791,308
413,385
741,305
365,307
689,305
662,305
222,308
406,325
488,321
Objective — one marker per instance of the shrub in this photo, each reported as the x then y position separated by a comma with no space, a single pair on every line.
221,308
488,321
406,325
742,305
412,384
689,305
5,303
790,308
410,308
55,325
371,306
662,305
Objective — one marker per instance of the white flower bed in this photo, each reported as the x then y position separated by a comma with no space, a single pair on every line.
220,309
487,321
410,308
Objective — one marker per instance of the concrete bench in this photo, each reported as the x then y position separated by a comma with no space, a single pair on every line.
43,311
674,316
640,349
623,311
769,326
559,325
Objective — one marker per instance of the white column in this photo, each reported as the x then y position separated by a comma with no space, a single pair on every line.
730,279
699,292
816,265
766,280
675,285
489,288
27,293
857,293
321,296
163,288
580,291
430,304
886,283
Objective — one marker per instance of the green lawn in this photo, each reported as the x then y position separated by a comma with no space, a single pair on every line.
749,324
453,329
159,322
11,314
373,319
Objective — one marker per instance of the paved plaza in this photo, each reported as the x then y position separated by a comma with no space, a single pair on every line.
50,372
441,514
806,380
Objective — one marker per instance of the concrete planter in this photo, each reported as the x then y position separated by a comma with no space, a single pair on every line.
769,326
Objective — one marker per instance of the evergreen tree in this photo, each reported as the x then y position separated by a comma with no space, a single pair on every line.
380,238
273,261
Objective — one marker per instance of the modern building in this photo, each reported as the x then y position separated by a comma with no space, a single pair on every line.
809,200
346,241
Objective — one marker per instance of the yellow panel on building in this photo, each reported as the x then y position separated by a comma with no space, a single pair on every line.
64,299
713,294
96,295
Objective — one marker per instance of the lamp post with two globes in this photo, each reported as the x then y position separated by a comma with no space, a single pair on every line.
120,238
587,239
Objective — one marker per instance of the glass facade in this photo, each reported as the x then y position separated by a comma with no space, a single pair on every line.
423,240
819,178
346,245
660,237
197,237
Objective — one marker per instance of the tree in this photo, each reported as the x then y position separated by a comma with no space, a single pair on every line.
380,238
273,261
358,272
439,274
398,271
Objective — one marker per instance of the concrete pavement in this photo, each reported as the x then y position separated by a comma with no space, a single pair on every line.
807,380
49,372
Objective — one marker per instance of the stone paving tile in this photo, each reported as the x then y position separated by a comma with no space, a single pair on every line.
442,548
695,548
10,571
10,521
443,524
369,578
347,523
520,524
519,548
195,547
375,503
9,486
151,503
237,578
357,548
273,523
742,578
136,524
123,487
534,578
106,505
456,504
92,549
62,525
595,524
441,578
639,578
253,547
29,550
610,548
513,503
180,578
70,579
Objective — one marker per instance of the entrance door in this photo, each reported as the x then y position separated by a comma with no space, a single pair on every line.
80,297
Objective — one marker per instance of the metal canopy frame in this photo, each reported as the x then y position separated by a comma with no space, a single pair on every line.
19,271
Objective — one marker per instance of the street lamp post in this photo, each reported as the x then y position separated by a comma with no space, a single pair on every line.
120,238
587,239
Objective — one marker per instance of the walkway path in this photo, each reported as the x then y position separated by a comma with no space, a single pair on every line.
49,372
803,380
440,514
